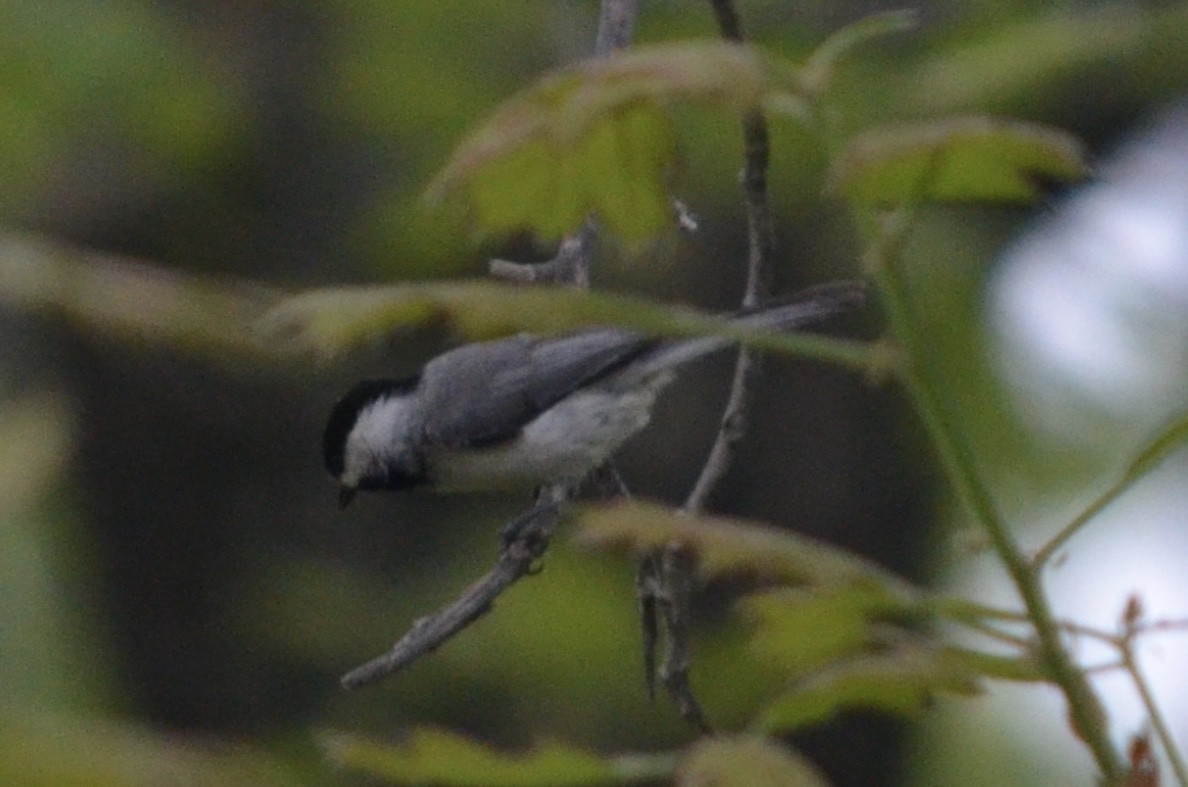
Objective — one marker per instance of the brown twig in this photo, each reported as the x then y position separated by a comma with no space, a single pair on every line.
569,266
761,245
665,581
531,538
677,571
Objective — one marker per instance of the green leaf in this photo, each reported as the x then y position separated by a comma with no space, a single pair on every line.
960,159
745,761
332,320
442,757
617,170
727,546
595,138
901,682
129,299
819,68
1025,668
800,629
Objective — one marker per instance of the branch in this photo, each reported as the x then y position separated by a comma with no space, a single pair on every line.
528,541
571,264
761,243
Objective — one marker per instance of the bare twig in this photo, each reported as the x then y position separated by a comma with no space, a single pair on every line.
664,582
761,242
647,591
677,567
616,25
571,264
1131,628
531,539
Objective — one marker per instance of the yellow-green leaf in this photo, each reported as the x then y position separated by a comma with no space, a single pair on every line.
797,629
901,682
441,757
595,138
726,546
745,761
332,320
961,159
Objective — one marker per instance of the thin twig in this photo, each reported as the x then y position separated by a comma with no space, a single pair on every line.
665,580
647,593
761,245
616,25
677,565
1131,627
570,265
532,532
1045,552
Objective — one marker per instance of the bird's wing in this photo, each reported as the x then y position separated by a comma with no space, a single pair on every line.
483,394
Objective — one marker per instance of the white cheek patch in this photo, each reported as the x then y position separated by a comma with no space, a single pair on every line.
380,431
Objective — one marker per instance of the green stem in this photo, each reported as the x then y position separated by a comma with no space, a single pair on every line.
1045,553
1085,710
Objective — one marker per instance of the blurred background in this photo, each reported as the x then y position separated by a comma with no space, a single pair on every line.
179,593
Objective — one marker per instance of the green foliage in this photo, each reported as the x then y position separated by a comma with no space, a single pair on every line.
440,757
599,138
726,546
902,682
594,139
329,321
833,622
797,629
745,761
962,159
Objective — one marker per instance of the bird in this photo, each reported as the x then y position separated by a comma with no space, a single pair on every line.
526,410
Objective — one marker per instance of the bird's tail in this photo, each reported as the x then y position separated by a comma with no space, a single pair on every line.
804,308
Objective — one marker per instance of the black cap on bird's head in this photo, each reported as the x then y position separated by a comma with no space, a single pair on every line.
337,445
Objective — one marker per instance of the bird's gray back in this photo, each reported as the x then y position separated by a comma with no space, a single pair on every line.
485,393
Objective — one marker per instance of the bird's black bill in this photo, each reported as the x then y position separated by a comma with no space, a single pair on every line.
345,495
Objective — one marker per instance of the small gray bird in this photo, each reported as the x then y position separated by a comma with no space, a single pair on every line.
525,410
